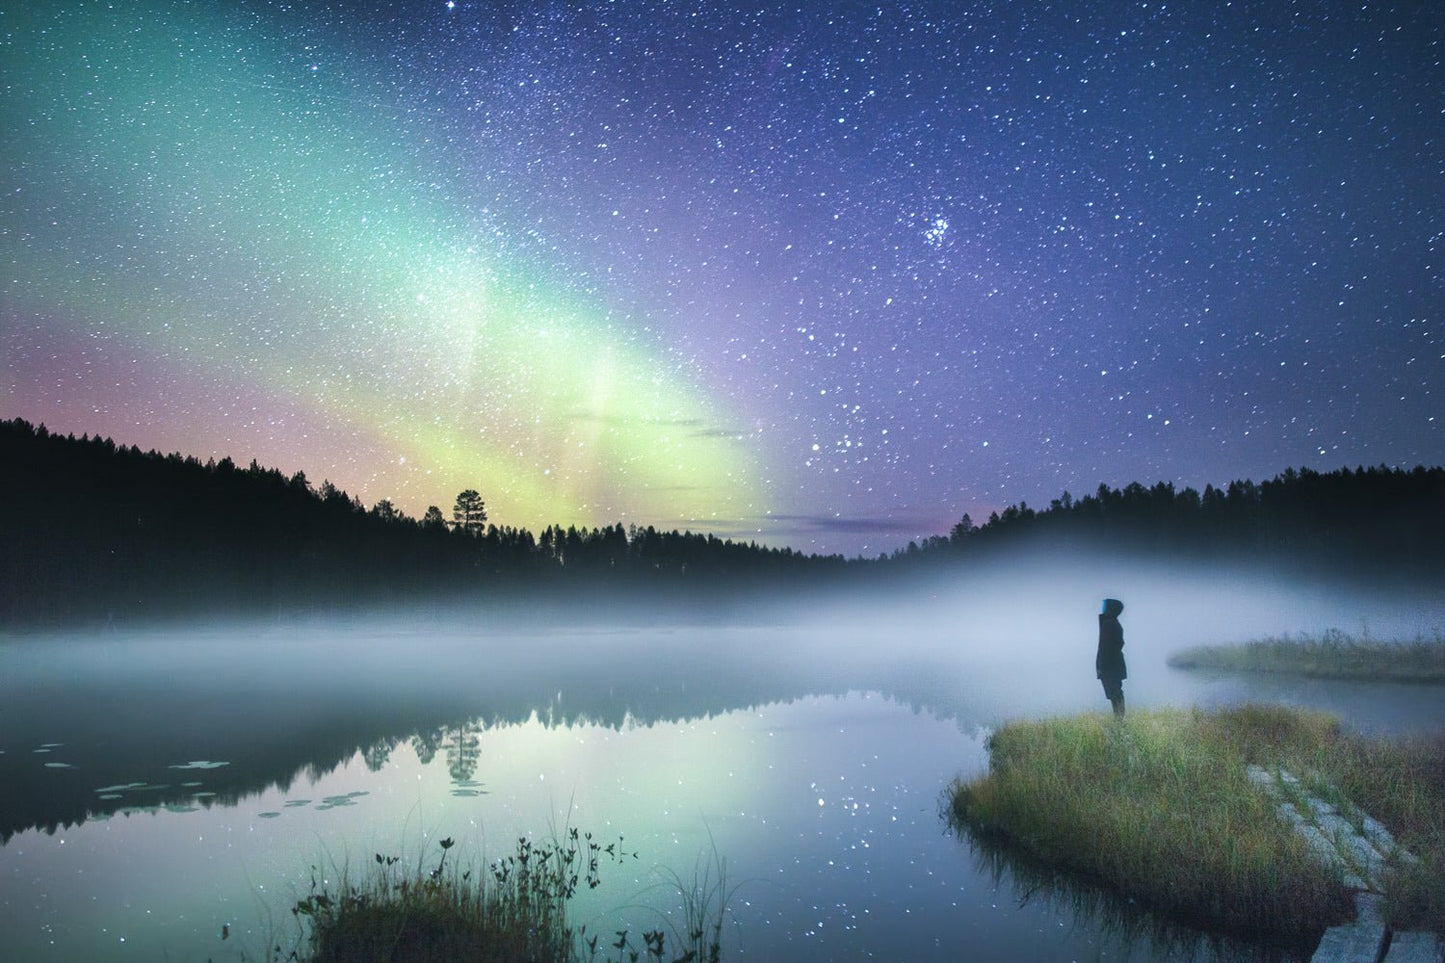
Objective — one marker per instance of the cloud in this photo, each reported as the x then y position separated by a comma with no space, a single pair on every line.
731,434
693,427
912,526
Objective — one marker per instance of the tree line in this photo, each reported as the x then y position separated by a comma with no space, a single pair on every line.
1378,520
94,530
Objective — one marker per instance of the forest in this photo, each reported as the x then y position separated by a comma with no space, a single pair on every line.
95,531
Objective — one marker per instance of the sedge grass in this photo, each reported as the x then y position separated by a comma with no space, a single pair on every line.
1401,782
1158,808
1331,655
397,913
1398,780
512,911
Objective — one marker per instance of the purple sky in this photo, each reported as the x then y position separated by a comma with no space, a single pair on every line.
828,275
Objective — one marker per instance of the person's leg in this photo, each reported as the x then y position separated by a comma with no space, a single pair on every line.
1114,691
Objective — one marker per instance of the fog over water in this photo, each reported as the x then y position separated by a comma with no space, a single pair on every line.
807,738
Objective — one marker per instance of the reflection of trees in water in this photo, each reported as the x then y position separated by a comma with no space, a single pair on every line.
295,738
464,750
1116,917
425,744
460,744
378,753
564,681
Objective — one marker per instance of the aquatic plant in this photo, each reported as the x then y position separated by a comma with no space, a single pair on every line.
1330,655
395,913
704,906
514,910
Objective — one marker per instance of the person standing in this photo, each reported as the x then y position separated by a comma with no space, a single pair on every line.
1109,662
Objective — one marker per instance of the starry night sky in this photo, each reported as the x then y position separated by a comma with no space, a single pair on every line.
826,275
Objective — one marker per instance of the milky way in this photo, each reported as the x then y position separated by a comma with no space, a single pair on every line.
826,276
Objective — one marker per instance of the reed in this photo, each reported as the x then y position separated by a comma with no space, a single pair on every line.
514,910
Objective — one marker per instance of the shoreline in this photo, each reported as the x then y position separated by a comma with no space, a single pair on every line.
1160,808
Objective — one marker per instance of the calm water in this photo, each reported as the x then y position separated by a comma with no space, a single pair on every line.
157,786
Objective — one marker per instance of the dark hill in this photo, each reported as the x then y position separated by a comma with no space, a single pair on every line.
95,531
1379,524
92,531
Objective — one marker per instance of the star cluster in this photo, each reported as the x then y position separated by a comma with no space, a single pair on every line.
827,275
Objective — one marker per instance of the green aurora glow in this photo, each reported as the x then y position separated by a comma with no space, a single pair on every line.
266,229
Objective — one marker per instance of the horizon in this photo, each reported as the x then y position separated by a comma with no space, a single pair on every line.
1067,498
827,278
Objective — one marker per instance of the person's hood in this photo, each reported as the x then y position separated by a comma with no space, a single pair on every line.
1113,607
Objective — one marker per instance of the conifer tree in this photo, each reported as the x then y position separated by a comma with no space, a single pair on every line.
469,514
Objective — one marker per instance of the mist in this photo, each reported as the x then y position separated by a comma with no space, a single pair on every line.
642,711
996,641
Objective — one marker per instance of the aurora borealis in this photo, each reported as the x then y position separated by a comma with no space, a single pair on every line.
828,275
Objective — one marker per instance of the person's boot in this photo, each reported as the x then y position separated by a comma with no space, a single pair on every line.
1119,706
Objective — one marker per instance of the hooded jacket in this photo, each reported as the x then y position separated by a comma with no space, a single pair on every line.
1109,663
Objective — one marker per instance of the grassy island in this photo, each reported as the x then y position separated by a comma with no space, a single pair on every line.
1158,808
1332,655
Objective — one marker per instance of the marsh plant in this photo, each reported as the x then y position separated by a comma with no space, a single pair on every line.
1158,808
1332,654
514,910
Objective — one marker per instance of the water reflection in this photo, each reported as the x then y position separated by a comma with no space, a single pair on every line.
95,727
1116,919
82,741
158,785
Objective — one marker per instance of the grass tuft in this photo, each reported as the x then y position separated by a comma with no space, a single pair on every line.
512,911
411,914
1158,808
1332,655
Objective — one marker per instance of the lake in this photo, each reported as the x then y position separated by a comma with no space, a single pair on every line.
159,785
